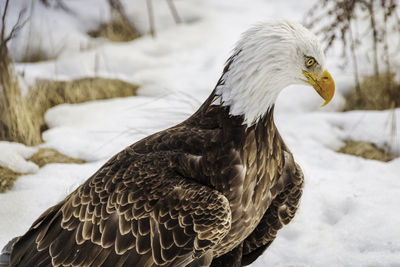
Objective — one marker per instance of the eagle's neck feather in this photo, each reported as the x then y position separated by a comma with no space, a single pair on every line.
249,87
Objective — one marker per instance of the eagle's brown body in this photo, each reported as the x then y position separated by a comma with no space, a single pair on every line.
210,190
184,196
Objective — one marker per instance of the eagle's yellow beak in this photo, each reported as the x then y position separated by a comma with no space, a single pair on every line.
324,84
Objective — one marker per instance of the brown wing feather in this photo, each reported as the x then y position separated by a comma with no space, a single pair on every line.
280,212
133,211
187,223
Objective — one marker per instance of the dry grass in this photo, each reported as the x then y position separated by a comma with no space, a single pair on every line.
375,94
80,90
35,54
7,178
365,150
17,122
48,155
48,93
22,119
42,157
117,30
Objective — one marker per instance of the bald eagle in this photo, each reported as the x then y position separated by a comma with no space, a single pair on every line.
210,191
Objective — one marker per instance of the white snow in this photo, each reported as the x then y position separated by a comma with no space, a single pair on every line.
349,212
14,156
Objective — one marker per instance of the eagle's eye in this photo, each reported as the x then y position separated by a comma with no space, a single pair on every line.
310,61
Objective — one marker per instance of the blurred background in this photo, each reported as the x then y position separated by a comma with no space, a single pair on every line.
82,79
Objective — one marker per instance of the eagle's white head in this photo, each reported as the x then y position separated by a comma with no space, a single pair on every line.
269,57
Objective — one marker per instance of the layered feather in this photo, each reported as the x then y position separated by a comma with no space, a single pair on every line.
214,189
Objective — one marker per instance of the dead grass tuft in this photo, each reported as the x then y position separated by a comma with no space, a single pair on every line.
376,93
366,150
48,93
80,90
42,157
17,122
16,119
48,155
117,30
22,119
7,178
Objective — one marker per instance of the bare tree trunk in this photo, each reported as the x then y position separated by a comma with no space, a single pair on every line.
3,23
370,7
386,43
174,12
27,49
151,17
354,58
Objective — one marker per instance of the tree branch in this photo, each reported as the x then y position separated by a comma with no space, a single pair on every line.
18,26
3,21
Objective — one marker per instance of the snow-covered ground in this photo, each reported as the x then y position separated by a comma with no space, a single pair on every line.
349,213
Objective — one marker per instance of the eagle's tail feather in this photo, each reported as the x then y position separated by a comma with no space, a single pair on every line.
6,252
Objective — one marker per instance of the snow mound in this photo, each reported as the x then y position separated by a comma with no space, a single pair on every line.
14,156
